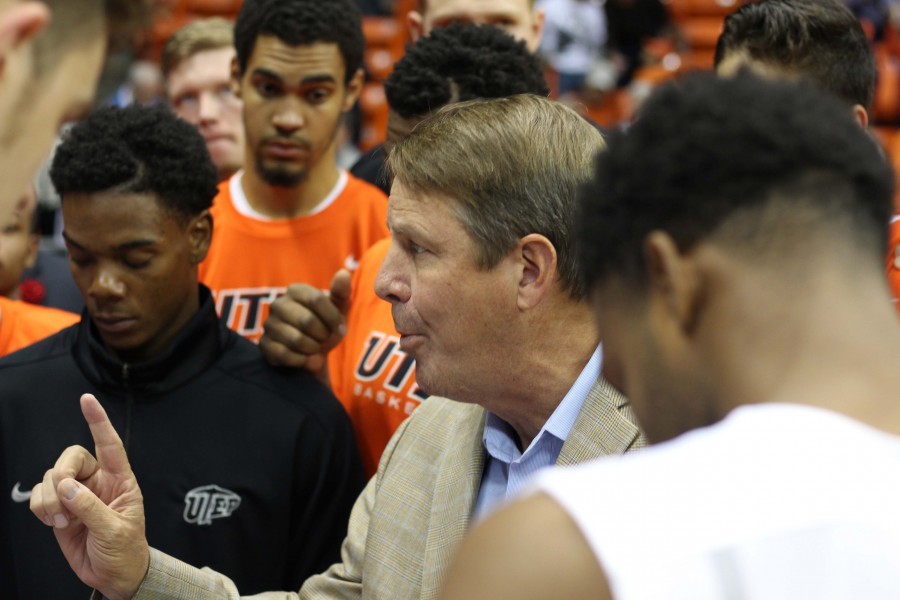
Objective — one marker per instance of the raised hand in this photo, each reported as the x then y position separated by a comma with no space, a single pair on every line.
96,510
306,323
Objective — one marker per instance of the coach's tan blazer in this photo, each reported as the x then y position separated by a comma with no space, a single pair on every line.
413,513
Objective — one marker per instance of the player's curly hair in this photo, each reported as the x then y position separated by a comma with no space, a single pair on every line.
462,62
137,150
301,22
761,165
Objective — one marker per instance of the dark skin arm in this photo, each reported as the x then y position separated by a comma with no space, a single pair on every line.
529,550
305,324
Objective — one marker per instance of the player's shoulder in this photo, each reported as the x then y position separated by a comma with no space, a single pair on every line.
243,366
51,347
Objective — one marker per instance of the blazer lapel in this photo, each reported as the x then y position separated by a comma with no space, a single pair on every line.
604,426
456,489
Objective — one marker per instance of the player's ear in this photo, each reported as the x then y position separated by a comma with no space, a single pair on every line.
20,24
354,89
537,30
200,233
415,24
673,279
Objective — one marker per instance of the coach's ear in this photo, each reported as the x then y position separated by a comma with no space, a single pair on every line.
536,269
674,279
18,25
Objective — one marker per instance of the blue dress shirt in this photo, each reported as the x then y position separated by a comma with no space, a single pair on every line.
506,469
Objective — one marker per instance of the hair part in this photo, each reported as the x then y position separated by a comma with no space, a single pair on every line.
705,163
302,23
818,39
137,150
512,166
462,62
197,36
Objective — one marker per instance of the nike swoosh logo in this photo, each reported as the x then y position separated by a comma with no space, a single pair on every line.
351,263
18,495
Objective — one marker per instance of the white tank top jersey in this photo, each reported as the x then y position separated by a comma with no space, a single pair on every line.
776,502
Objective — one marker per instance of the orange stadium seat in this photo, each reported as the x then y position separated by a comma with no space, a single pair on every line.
701,32
614,109
225,8
385,37
886,103
682,9
402,8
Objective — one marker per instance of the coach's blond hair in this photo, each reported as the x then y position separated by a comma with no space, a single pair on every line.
512,166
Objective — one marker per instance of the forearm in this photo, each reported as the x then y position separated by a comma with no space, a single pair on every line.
169,578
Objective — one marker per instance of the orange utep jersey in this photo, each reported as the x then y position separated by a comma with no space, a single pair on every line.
22,324
372,377
252,260
893,261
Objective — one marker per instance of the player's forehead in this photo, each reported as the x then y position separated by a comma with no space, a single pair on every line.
202,68
294,64
476,10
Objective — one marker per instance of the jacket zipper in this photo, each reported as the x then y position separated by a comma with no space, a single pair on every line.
129,403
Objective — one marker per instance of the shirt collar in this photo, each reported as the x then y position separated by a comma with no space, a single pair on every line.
499,437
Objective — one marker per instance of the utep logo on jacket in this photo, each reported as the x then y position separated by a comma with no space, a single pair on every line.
203,504
385,374
245,309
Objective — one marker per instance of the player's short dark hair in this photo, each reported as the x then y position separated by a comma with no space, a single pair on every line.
137,150
300,23
763,164
462,62
818,39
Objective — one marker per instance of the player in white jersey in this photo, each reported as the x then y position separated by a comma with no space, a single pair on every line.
735,254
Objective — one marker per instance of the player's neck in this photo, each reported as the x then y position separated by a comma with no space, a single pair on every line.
280,202
835,347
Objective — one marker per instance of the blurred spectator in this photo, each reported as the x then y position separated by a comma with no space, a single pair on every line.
55,286
143,87
574,39
519,18
18,246
873,14
630,24
196,64
22,323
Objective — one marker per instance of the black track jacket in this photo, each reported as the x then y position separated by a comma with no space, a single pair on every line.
244,468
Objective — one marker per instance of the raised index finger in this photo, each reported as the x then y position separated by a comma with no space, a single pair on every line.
107,444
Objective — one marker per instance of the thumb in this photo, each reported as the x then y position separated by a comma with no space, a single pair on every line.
84,505
341,287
